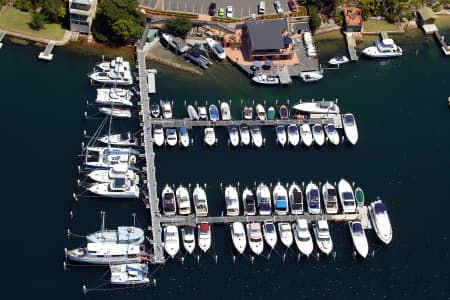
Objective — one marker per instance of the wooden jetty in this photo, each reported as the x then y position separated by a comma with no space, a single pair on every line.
283,75
440,38
351,46
47,53
2,35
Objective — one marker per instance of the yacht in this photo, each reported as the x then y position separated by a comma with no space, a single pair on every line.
318,134
233,133
183,135
347,197
359,238
319,107
359,196
202,114
121,139
171,240
256,134
169,205
249,202
200,201
293,135
296,199
313,199
183,199
338,60
213,113
238,237
270,234
332,134
330,200
192,113
383,49
166,108
129,274
231,201
117,171
248,113
111,65
285,231
350,128
305,133
155,110
171,137
114,96
380,219
116,112
244,132
158,136
106,254
302,237
255,239
210,136
260,112
188,236
176,43
323,237
116,76
117,188
271,113
280,200
311,76
216,49
225,111
266,79
281,134
204,236
284,112
197,55
263,200
105,157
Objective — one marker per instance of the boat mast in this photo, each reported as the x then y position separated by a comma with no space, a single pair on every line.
102,227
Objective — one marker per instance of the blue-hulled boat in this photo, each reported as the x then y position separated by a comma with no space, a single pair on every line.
213,113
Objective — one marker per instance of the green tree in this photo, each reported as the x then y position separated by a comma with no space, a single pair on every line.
37,21
125,29
179,26
54,10
314,21
23,5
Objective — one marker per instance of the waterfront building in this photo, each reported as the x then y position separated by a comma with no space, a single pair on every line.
425,19
82,13
352,18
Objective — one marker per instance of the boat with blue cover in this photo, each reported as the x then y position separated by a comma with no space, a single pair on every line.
284,112
359,238
280,200
313,198
271,113
184,136
213,113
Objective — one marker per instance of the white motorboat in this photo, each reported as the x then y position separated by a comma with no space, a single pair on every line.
260,112
171,240
202,113
116,112
192,113
383,49
188,236
158,136
293,135
225,111
263,200
106,157
320,107
155,110
233,133
200,201
359,238
213,113
169,205
248,113
256,134
183,199
116,76
106,254
347,197
270,234
332,134
380,221
318,134
280,200
210,136
323,237
338,60
177,44
285,231
305,133
244,132
313,198
129,274
266,79
121,139
255,239
330,200
117,171
350,128
302,237
166,108
216,48
204,236
296,199
281,135
117,188
114,96
111,65
311,76
183,135
249,202
238,237
171,137
231,201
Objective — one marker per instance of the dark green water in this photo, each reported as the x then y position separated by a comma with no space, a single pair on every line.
402,156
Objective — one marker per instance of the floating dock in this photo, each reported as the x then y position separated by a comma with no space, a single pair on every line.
2,35
47,53
351,46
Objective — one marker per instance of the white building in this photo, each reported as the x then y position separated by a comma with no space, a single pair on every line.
82,13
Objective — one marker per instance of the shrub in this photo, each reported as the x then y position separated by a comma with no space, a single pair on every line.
37,21
23,5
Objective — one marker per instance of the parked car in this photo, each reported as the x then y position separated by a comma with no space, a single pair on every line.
292,5
221,12
212,9
229,11
278,8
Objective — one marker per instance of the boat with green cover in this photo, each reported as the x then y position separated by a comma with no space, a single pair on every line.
359,195
271,113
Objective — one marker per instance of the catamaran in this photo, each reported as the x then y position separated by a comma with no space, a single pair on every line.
281,134
285,231
231,201
350,128
359,238
233,133
249,202
204,236
121,139
280,200
117,171
305,133
293,135
129,274
347,197
313,198
270,233
184,202
302,237
332,134
329,194
256,134
296,199
188,236
169,205
114,96
105,158
106,254
117,76
238,237
263,200
380,220
255,239
318,134
171,240
244,132
200,201
323,237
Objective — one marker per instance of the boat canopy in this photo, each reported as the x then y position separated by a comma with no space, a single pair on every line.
317,129
357,227
171,131
183,130
331,127
298,197
349,119
331,192
270,227
380,208
314,193
204,227
347,195
218,48
130,233
283,111
140,271
119,181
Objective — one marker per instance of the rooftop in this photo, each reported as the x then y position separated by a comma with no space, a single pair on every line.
352,15
426,13
266,34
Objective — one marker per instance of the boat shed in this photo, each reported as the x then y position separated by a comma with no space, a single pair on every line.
426,18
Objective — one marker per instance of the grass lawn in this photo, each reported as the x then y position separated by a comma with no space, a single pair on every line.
379,25
16,20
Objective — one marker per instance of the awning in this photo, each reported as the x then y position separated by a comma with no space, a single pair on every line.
257,63
268,63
